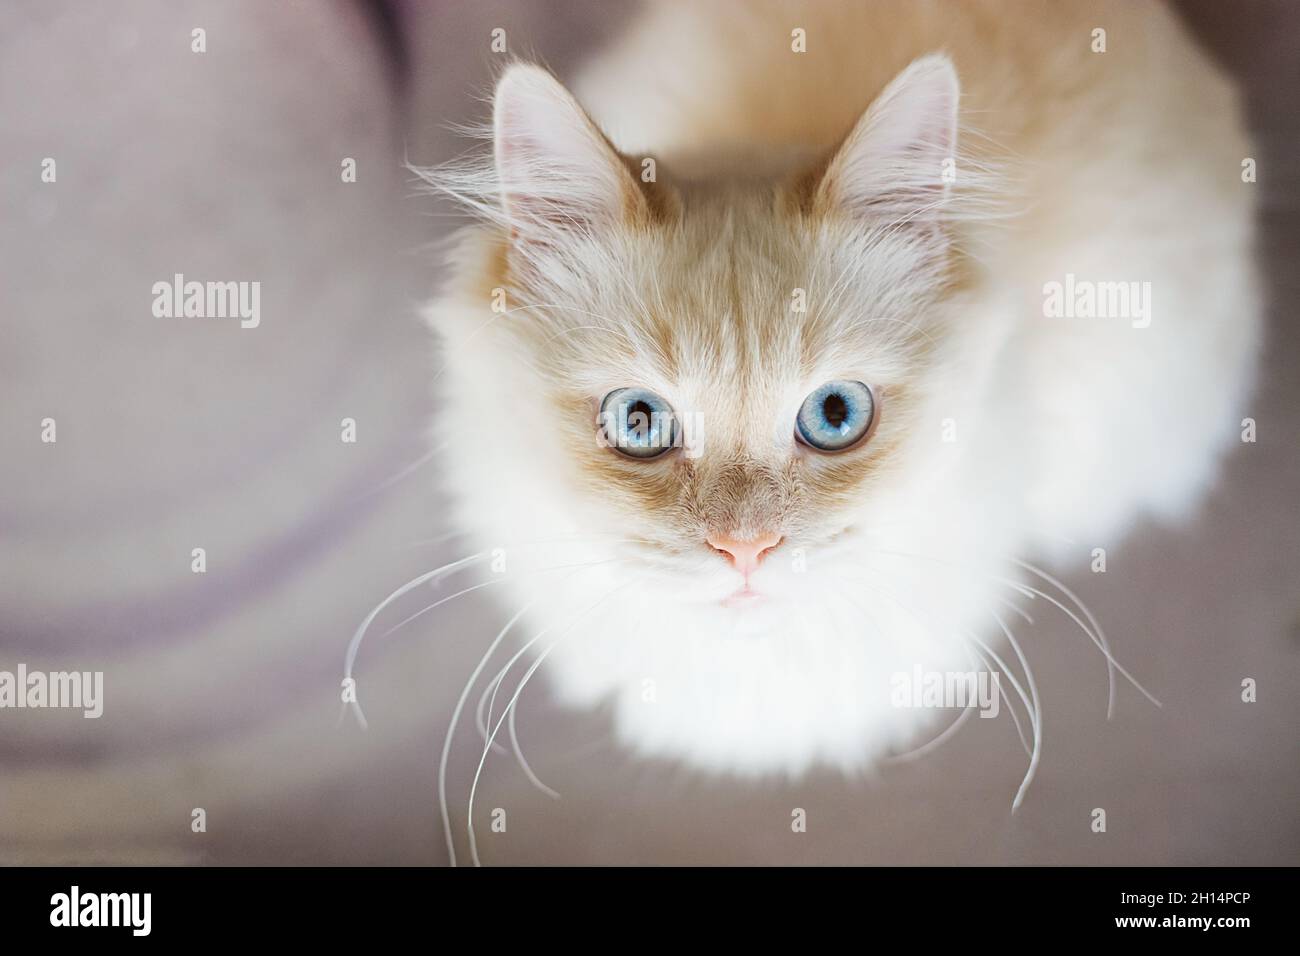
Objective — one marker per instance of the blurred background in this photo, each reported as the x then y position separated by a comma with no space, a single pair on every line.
222,688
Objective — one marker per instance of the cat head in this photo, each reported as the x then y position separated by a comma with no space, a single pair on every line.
696,382
724,361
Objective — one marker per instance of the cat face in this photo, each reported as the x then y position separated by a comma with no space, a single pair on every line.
695,390
717,374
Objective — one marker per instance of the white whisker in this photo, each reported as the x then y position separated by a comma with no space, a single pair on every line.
473,842
355,644
523,762
1101,635
1100,646
451,730
414,466
528,574
933,744
439,603
1029,680
1034,755
1015,717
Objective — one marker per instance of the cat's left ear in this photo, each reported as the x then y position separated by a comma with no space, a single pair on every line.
897,162
556,171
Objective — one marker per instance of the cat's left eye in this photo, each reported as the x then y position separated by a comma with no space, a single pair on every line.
638,423
836,416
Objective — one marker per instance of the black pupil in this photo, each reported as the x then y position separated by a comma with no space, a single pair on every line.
639,419
835,410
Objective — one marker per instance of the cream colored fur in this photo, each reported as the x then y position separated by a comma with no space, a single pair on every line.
1115,166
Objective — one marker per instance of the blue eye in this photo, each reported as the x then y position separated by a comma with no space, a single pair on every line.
637,423
836,416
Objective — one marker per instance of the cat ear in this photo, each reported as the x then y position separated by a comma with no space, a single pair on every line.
898,159
556,171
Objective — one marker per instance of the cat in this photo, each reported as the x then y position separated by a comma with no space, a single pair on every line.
750,383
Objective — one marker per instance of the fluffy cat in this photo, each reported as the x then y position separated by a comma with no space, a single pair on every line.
848,416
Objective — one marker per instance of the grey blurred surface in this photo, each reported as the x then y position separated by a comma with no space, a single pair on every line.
223,688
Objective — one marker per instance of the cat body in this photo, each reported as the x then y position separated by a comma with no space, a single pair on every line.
1034,254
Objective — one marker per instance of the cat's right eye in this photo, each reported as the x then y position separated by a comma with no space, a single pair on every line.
637,423
836,416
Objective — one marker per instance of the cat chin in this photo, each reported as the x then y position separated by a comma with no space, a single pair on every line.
779,688
724,752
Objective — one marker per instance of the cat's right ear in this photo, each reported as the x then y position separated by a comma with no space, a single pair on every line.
557,173
897,162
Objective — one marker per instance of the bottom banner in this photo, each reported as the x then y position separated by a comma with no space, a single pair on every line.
366,905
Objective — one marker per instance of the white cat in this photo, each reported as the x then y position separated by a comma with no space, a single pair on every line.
762,377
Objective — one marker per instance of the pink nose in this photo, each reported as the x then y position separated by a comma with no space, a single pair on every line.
745,556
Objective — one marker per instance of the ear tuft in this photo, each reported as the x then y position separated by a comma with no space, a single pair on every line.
898,160
555,169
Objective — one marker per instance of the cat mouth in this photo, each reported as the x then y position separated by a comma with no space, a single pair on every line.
742,598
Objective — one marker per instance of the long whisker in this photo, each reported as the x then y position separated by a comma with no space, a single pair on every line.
1015,717
496,683
1101,635
437,539
481,723
355,644
907,756
523,762
439,603
1032,711
460,704
409,469
935,742
1033,758
1100,646
1029,591
473,842
1012,606
479,719
529,574
451,730
1029,680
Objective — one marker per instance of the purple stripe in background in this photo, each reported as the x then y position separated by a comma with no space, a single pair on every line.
133,623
